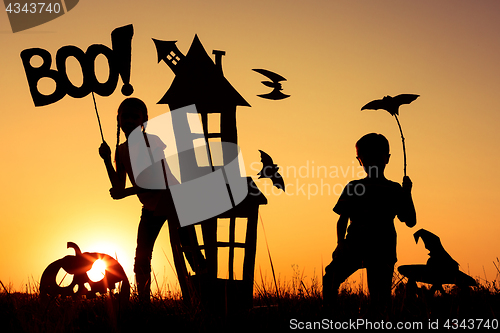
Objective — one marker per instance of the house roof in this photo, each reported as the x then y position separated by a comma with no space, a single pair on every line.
199,81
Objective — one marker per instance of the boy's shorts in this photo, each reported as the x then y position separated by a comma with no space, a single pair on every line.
347,259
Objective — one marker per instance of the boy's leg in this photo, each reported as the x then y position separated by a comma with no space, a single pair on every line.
149,228
379,279
343,265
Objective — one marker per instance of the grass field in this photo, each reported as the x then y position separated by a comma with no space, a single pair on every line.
278,306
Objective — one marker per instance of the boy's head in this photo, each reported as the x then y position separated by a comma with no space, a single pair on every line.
373,151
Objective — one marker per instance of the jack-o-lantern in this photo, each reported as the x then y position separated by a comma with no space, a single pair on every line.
78,265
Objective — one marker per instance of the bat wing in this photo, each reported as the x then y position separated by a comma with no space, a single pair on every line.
268,166
390,104
375,105
275,94
270,170
404,99
278,181
265,159
271,75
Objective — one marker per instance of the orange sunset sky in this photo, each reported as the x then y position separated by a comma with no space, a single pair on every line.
336,57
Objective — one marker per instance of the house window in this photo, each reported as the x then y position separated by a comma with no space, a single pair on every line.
213,125
214,138
174,59
223,225
208,125
195,123
238,261
199,234
240,232
200,152
172,53
231,234
215,145
223,263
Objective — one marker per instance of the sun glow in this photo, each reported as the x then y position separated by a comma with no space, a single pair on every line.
119,247
96,273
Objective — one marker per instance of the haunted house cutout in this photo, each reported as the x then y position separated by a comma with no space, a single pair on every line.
200,81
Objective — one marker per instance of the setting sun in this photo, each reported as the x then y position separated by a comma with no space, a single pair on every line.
97,271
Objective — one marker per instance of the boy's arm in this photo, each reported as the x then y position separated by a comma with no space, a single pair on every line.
407,213
341,228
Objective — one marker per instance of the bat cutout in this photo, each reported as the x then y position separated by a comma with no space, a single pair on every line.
275,78
270,170
440,268
390,104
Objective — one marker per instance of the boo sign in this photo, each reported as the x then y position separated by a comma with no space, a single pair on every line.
118,57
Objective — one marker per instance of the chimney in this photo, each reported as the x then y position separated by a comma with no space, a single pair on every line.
218,58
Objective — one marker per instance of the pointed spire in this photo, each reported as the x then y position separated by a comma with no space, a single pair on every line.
199,81
168,52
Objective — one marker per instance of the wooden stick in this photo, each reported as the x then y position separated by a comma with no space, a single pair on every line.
403,139
98,120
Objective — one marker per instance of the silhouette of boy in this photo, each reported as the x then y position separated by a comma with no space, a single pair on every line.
370,204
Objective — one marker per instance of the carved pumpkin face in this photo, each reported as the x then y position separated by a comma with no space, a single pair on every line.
78,266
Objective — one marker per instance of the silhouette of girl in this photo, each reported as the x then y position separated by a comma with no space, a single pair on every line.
132,113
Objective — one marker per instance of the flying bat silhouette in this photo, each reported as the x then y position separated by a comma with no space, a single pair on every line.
440,268
390,104
275,78
270,170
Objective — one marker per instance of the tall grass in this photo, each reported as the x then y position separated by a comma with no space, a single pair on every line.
276,301
301,297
